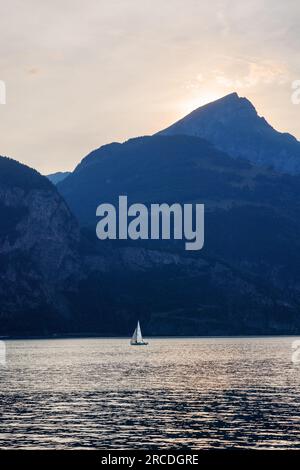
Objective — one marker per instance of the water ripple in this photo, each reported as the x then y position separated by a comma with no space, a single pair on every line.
184,393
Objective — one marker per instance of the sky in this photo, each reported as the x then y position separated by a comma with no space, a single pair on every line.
83,73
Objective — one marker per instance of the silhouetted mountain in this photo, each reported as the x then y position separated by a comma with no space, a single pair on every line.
38,252
58,177
245,280
233,125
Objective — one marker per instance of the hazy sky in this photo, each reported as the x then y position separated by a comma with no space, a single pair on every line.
82,73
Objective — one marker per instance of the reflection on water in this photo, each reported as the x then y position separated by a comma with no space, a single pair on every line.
187,393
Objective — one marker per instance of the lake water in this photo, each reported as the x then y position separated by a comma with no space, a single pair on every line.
195,393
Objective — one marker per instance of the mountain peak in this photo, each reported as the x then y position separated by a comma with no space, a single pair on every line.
230,97
230,110
231,102
233,125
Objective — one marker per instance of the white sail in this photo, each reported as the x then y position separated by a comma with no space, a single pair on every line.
137,336
134,336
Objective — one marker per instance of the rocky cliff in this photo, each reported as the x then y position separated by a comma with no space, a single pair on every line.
39,241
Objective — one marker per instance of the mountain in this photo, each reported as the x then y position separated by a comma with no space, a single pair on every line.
39,260
58,277
233,125
56,178
247,277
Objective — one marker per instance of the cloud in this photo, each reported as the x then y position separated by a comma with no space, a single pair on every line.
33,71
81,74
258,73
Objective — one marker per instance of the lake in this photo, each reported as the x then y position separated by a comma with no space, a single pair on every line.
193,393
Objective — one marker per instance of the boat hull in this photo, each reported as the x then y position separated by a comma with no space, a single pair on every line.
144,343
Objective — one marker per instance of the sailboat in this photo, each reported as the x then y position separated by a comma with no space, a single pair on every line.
137,339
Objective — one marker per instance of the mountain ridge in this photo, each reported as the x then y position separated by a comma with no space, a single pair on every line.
246,278
57,177
233,125
39,240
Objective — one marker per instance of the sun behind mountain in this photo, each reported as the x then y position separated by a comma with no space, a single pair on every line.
233,125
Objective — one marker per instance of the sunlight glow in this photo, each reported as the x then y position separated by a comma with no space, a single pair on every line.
201,99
